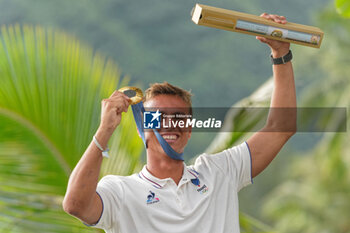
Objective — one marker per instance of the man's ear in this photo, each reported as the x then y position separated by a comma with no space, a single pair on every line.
138,132
189,132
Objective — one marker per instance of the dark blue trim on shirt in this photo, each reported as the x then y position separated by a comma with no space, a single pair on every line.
100,215
251,166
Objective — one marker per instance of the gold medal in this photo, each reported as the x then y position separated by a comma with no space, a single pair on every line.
135,94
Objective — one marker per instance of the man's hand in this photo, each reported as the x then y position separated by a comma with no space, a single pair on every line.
278,48
112,109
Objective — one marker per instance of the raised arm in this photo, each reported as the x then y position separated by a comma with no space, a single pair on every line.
281,123
81,199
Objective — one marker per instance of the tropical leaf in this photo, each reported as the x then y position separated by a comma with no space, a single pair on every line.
32,183
249,224
51,87
343,7
314,197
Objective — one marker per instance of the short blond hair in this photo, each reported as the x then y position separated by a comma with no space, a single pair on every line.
166,88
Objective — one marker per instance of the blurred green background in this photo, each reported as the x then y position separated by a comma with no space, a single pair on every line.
58,59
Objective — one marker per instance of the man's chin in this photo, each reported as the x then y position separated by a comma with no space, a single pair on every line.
175,147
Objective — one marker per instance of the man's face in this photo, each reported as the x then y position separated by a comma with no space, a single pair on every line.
177,137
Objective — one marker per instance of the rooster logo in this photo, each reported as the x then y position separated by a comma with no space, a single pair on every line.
151,198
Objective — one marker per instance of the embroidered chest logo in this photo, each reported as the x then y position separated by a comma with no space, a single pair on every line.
200,189
151,198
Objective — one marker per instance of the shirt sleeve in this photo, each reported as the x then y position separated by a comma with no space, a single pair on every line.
110,190
235,163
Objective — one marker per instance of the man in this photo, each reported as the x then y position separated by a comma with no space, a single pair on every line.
168,196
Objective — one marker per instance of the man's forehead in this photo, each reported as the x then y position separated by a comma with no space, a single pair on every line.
168,109
166,101
170,104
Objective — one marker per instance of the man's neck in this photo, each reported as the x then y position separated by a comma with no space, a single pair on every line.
164,167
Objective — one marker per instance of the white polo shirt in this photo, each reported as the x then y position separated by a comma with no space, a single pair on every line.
205,200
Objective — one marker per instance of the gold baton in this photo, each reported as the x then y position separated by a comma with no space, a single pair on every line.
254,25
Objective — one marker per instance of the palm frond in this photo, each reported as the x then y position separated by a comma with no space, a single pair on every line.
51,88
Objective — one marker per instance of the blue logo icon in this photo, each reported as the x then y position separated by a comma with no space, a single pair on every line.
151,120
196,182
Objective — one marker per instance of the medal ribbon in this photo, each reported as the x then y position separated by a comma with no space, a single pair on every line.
138,110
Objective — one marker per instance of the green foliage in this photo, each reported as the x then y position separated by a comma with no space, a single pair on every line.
252,225
343,7
32,183
50,91
315,194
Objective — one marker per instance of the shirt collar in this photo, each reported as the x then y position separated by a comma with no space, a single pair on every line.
188,174
145,175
